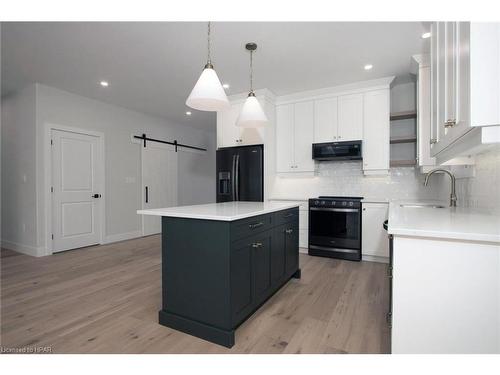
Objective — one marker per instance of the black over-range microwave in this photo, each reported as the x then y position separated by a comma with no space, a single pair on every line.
349,150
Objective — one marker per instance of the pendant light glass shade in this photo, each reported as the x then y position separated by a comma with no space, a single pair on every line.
251,115
208,93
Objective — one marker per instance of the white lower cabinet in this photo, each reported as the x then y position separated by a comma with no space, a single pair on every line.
374,242
446,296
376,132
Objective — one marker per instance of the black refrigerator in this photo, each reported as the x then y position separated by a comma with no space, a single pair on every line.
240,174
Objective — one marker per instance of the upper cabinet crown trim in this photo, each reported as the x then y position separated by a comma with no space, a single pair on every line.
351,88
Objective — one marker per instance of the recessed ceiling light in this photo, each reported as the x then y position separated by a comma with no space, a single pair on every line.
426,35
225,85
188,113
104,83
368,66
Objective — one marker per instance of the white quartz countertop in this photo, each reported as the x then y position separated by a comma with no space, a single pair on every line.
228,211
448,223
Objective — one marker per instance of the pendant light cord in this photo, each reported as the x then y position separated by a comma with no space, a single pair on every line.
251,71
209,59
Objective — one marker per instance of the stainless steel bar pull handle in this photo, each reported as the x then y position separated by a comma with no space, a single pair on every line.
289,231
255,225
257,245
237,178
147,195
233,182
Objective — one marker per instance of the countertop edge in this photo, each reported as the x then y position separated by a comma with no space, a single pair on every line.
215,217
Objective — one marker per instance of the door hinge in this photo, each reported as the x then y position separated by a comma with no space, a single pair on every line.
52,236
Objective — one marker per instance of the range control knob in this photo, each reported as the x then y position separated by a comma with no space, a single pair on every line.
351,204
322,203
344,203
316,202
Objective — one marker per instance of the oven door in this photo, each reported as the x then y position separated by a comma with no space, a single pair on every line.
335,227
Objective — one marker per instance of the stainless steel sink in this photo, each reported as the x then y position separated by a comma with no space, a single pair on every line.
421,205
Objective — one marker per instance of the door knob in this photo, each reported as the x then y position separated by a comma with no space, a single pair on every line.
96,196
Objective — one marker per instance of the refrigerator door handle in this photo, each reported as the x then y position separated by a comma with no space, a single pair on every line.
233,171
237,178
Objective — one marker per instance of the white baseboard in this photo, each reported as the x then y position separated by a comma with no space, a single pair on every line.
303,250
374,258
122,236
24,249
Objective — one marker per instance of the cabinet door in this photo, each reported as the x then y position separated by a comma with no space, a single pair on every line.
374,237
442,89
325,120
230,132
284,138
350,117
278,254
434,85
424,116
261,246
241,280
291,247
462,82
303,136
376,132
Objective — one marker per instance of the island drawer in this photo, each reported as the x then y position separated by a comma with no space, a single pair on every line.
285,216
247,227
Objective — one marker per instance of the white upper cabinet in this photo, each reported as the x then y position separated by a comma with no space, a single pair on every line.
294,137
424,113
376,146
285,160
303,136
230,135
350,117
465,87
325,120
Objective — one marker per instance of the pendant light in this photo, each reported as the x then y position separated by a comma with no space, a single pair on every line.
208,93
251,115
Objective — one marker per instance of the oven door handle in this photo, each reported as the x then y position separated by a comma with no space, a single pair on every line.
335,209
316,247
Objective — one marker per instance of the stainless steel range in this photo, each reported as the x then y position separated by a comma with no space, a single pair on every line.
335,227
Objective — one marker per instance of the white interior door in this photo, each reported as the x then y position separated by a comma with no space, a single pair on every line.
159,183
76,178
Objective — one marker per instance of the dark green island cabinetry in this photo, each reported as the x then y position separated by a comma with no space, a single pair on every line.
215,273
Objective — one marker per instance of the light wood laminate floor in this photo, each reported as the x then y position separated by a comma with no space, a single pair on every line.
105,299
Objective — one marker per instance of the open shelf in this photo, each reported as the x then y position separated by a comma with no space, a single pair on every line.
406,139
403,163
403,115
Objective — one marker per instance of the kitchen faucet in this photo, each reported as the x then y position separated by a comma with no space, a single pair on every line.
453,195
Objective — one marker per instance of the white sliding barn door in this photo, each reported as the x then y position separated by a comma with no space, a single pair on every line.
159,182
76,178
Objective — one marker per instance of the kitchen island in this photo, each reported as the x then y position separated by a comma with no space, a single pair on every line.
222,261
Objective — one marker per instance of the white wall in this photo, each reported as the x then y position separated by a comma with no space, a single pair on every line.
18,171
122,158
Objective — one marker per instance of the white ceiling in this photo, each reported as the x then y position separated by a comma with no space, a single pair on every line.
151,67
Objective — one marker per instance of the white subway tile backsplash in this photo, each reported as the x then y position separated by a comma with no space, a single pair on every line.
483,190
346,178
